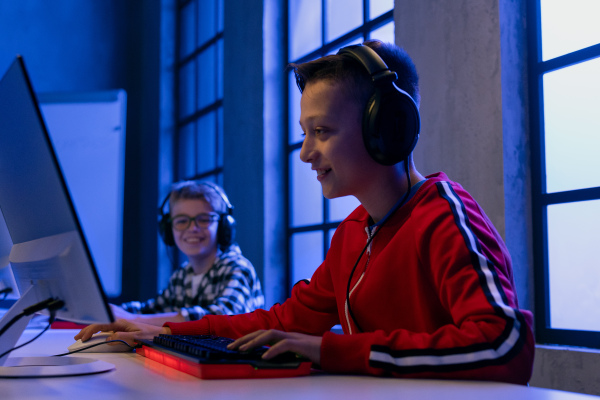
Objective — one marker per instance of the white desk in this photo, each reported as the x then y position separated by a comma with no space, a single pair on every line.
136,377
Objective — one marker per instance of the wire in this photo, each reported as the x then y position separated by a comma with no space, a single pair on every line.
11,323
6,291
52,305
98,344
385,219
26,343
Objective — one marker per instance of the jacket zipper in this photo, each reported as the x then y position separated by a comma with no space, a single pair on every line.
346,313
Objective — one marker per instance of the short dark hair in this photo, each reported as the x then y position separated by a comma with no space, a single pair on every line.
198,190
341,68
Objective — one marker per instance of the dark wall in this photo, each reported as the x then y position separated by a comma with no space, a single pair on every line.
254,136
74,45
68,45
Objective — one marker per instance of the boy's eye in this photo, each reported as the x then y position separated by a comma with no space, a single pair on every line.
181,222
315,132
203,220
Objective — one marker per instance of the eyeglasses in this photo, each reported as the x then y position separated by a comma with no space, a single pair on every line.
183,222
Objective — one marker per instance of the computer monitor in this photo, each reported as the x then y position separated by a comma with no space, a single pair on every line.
7,280
49,256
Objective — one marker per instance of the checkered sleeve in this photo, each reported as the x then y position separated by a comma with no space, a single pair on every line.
230,287
165,301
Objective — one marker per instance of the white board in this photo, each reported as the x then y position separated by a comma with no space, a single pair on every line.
88,133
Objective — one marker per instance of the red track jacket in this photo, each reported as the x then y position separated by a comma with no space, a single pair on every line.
433,295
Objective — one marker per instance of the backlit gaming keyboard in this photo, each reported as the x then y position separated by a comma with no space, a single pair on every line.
207,357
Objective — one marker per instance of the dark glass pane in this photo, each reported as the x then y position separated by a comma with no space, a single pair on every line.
305,19
571,104
220,69
207,75
187,83
378,7
187,44
207,143
307,253
568,26
221,15
306,197
220,137
207,20
343,16
573,238
187,151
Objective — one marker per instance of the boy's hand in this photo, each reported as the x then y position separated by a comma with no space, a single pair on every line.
128,331
280,342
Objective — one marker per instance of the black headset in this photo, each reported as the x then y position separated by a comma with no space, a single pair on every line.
391,121
225,230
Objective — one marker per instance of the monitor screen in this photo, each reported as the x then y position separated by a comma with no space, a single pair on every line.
49,256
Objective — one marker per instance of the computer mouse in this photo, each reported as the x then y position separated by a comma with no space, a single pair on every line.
99,339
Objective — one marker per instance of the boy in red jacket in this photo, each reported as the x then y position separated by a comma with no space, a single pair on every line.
417,275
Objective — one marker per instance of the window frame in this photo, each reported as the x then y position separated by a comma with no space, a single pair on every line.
545,334
214,174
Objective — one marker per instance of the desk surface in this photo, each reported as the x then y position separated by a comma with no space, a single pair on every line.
136,377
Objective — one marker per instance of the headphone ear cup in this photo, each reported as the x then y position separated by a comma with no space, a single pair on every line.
165,230
226,231
391,126
370,131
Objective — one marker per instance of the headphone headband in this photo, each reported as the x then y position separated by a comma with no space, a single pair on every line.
391,121
377,68
221,193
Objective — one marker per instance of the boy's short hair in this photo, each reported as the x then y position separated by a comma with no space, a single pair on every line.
340,68
198,190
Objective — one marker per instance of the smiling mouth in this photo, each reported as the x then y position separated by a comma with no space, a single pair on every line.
322,173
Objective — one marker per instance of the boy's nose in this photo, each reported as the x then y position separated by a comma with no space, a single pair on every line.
306,152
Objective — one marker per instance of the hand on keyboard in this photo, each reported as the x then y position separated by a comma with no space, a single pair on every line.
281,342
212,347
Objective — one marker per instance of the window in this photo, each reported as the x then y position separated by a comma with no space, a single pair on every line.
193,148
199,90
317,28
565,99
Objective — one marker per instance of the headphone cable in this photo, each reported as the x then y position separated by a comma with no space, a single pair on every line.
396,208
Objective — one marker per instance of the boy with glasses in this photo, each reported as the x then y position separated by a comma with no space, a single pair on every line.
217,278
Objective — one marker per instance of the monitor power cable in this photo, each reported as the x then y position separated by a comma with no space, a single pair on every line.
50,304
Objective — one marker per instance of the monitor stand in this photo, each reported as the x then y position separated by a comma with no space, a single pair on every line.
35,367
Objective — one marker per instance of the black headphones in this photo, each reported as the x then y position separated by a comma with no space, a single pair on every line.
391,122
225,230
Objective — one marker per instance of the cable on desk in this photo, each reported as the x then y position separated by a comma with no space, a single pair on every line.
51,304
97,344
6,291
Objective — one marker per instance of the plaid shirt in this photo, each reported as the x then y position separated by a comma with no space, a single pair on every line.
230,286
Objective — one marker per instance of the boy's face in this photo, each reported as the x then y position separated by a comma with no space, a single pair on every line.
332,124
195,241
